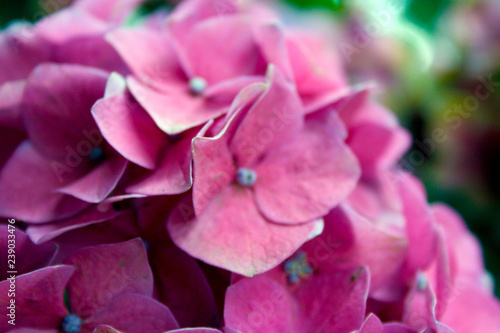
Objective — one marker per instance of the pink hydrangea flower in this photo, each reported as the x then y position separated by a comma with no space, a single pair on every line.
234,176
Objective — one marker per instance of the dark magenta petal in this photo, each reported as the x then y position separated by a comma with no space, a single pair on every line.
92,50
11,94
99,182
121,227
105,272
105,329
39,299
33,330
182,286
47,231
29,255
28,184
57,103
133,313
195,330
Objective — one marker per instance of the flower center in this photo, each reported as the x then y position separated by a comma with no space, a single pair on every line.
297,268
97,154
421,282
197,85
246,177
71,324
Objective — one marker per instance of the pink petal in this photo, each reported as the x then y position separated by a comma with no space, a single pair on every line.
349,239
189,13
419,308
261,304
55,27
27,189
272,44
133,314
129,129
372,324
39,299
306,178
378,147
334,302
229,330
149,55
114,10
172,175
332,99
463,248
440,278
440,328
224,92
228,42
221,236
105,272
397,328
96,185
164,105
272,121
57,104
213,166
11,94
473,310
20,52
422,236
316,66
33,256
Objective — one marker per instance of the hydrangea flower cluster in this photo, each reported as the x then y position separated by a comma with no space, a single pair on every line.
209,170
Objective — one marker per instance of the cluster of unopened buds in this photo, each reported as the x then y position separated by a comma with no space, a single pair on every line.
209,170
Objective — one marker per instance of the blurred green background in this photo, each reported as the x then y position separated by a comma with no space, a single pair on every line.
429,56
